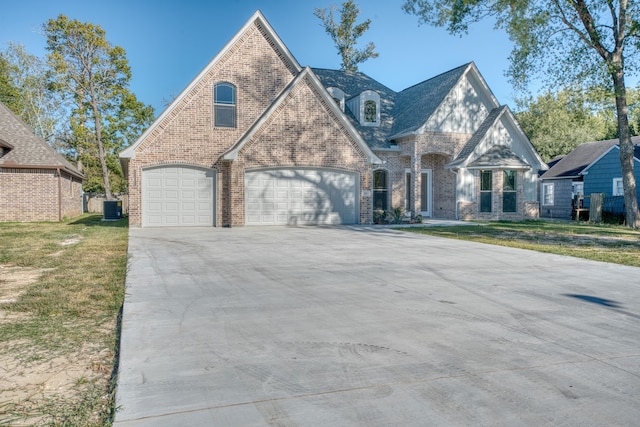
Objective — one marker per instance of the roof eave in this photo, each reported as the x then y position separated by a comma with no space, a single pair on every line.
72,172
232,154
129,152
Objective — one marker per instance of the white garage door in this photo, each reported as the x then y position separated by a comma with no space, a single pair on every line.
300,196
178,196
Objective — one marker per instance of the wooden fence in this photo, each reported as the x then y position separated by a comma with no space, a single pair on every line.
93,202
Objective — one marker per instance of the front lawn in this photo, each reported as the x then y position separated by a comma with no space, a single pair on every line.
606,243
61,294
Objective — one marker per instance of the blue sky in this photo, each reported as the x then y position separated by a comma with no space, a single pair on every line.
169,42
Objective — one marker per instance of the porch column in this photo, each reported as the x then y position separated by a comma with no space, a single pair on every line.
416,175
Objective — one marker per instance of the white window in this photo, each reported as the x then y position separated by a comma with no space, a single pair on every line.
224,105
408,192
577,189
369,107
547,194
618,189
337,95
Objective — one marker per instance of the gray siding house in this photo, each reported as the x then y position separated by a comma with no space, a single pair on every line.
604,176
592,167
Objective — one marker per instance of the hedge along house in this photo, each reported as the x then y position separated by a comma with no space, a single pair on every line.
258,139
36,182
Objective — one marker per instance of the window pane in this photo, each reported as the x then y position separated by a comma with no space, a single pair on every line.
618,189
407,193
380,180
380,190
509,181
380,199
224,94
548,194
486,182
225,116
370,111
424,192
485,201
509,202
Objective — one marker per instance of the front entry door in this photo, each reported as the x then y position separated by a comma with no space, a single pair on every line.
426,193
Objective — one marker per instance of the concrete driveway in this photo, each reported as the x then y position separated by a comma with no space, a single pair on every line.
352,326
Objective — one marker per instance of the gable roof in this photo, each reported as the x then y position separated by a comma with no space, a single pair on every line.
26,149
417,103
636,153
353,84
477,137
574,163
257,19
401,113
308,74
499,156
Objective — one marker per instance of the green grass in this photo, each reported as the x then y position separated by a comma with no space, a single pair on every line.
608,243
71,310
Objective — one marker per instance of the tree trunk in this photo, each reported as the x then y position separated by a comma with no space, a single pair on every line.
101,153
626,150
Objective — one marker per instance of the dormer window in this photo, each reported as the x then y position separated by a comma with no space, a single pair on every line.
224,105
366,108
4,148
337,95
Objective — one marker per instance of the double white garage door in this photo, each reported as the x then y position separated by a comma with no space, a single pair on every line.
179,195
300,196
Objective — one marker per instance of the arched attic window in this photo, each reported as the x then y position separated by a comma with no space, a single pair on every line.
337,95
224,105
370,108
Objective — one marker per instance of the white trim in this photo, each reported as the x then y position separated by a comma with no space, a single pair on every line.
615,187
129,152
546,185
232,153
617,146
429,211
586,170
408,188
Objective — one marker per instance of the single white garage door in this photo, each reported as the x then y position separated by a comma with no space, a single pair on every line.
300,196
178,196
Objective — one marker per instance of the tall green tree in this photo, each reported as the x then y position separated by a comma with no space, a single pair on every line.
556,123
31,98
94,76
345,34
9,92
569,41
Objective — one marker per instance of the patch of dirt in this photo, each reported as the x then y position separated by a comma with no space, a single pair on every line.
14,280
30,380
71,240
570,239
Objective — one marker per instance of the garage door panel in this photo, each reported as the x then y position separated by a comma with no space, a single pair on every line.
178,196
301,196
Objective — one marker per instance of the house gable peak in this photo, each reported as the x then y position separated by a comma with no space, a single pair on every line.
259,21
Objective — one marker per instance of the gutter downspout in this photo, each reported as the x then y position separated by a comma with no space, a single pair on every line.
59,194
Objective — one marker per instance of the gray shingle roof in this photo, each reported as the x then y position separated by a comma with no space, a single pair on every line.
477,137
417,103
499,156
27,149
353,84
582,156
400,112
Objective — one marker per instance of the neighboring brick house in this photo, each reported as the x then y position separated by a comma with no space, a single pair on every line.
36,182
258,139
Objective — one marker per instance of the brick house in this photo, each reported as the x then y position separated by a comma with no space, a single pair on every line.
256,139
36,182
